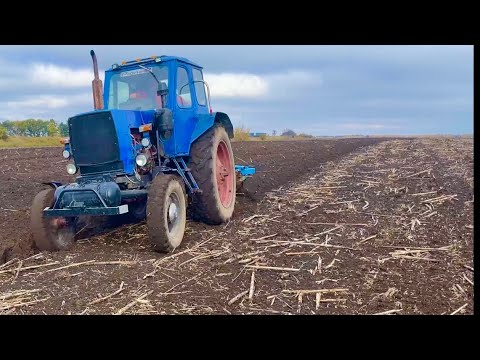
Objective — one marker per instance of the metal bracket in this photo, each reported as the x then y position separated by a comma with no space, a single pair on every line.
71,212
189,181
78,210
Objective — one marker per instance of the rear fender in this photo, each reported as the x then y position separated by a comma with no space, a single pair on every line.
206,122
224,120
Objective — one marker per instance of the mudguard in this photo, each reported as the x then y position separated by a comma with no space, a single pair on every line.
206,121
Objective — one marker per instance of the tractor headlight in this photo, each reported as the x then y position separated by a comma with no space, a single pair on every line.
66,154
71,169
141,160
145,142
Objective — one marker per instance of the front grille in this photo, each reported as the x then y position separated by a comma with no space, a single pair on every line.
94,142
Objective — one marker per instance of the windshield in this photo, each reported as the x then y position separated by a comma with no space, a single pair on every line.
137,89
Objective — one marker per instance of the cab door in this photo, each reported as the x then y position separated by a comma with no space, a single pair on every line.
184,109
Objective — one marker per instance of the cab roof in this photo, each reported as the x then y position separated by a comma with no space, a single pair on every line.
149,60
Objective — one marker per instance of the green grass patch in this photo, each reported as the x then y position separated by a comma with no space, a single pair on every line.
241,133
29,142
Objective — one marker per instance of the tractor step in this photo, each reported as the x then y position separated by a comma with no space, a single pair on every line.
186,174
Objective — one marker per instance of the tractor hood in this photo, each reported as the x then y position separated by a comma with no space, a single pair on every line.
101,140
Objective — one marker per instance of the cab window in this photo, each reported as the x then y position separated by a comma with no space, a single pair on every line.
199,87
137,89
184,97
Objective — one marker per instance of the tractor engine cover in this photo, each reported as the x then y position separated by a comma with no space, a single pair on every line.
87,195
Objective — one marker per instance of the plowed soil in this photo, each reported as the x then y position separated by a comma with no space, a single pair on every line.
350,226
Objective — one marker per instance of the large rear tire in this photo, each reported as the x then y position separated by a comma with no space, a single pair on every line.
50,234
212,166
166,212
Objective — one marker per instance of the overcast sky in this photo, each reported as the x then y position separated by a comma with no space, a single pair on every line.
321,90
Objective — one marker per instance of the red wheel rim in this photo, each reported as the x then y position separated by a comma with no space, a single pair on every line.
224,173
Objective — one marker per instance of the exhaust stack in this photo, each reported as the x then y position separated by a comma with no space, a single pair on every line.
97,85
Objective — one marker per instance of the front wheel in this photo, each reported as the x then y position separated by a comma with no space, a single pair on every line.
166,212
50,234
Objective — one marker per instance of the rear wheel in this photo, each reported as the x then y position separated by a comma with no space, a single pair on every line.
50,234
212,166
166,212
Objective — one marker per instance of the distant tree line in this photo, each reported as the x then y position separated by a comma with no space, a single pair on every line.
32,128
292,134
289,133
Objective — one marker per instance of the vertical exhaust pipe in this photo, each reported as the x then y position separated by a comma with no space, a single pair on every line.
97,85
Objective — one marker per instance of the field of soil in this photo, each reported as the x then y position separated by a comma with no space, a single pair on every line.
350,226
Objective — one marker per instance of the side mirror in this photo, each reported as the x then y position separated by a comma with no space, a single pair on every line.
162,91
163,123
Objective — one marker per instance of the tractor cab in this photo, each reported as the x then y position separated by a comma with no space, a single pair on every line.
157,82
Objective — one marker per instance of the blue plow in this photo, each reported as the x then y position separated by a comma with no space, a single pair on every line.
243,173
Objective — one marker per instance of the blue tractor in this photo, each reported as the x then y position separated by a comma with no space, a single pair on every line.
151,147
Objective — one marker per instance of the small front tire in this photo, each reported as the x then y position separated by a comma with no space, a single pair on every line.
166,213
50,234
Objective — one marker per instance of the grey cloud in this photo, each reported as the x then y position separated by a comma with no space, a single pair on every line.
417,88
